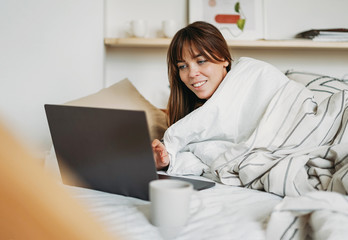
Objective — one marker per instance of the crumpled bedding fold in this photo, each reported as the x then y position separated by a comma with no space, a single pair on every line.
261,130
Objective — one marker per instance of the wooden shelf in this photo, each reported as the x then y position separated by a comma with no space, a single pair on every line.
137,42
237,44
288,44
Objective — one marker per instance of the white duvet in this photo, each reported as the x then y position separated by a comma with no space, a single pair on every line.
263,131
226,120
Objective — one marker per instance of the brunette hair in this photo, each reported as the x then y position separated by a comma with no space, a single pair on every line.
209,42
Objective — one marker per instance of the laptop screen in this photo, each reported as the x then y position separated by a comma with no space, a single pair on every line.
106,149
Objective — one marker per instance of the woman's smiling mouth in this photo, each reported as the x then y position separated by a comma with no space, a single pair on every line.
198,84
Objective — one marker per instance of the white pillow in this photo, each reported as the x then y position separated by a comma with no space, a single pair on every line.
323,86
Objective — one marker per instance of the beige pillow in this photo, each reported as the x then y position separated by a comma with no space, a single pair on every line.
123,95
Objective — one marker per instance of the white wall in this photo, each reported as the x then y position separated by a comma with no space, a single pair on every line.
51,52
285,18
118,13
326,62
145,68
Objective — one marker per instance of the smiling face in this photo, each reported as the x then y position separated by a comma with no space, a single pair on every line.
199,74
198,59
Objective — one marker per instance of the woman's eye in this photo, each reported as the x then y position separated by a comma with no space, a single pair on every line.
182,67
202,61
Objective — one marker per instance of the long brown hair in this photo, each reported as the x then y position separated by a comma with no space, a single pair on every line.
209,42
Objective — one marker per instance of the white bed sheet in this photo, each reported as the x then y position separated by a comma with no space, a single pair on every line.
227,212
221,212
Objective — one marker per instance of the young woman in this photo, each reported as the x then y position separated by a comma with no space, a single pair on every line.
198,60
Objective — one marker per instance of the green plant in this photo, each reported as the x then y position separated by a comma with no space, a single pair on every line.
242,19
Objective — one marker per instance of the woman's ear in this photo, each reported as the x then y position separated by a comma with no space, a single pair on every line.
226,64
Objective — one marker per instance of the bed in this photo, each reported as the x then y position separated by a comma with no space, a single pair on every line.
234,209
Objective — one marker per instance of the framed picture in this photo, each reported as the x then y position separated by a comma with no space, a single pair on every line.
236,19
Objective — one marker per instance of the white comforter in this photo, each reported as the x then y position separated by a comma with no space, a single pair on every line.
261,130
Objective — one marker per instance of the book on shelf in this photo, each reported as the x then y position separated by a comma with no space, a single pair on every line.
332,34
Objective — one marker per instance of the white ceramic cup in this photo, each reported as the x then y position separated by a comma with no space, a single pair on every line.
138,28
169,28
170,205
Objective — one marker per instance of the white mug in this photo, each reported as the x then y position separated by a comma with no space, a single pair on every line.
170,205
169,28
137,28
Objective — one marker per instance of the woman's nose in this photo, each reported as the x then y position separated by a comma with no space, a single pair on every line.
193,71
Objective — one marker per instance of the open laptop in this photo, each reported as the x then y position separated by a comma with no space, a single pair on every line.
106,149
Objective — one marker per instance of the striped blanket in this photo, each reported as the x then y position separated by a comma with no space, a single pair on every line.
263,131
316,215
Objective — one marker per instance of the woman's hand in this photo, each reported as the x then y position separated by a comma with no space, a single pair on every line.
160,154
